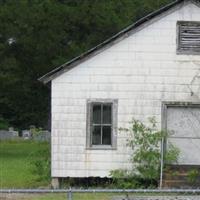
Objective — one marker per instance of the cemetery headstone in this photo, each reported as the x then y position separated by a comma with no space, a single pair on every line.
26,134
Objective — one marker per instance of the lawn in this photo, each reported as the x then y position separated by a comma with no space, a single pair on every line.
90,196
16,170
100,196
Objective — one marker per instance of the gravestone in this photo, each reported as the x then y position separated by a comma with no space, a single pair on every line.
13,132
8,134
26,134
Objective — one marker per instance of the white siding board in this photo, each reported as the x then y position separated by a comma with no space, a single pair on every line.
140,71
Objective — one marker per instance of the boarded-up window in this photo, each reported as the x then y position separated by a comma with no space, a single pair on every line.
188,37
182,121
101,123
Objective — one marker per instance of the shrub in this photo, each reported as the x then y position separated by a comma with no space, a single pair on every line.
145,142
36,131
127,179
192,176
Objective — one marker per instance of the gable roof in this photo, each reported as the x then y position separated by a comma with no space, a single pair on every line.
112,40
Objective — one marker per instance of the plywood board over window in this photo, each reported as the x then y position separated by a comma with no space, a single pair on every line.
188,37
182,121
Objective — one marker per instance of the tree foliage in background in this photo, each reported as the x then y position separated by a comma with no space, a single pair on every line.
3,124
39,35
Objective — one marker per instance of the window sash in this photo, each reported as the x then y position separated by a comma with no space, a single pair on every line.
89,124
101,124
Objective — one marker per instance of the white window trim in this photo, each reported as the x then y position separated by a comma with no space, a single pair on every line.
113,146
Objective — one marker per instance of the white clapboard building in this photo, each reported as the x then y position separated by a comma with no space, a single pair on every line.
151,68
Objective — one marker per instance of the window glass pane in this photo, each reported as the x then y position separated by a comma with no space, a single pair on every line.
106,139
97,114
107,114
96,135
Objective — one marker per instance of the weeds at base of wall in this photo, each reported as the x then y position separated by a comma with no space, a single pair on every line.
106,183
125,179
41,164
192,176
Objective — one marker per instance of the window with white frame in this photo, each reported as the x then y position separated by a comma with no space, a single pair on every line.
188,39
101,123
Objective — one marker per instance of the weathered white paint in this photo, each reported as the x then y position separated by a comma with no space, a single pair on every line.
140,71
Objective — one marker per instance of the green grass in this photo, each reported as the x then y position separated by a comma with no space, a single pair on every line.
90,196
16,170
75,197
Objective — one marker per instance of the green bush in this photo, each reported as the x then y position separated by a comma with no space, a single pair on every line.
36,131
192,176
127,179
145,142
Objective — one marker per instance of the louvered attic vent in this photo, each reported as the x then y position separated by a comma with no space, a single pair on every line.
188,37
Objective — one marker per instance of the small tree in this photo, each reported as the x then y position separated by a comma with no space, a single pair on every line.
145,142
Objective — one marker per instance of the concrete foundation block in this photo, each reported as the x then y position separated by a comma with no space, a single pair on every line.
55,183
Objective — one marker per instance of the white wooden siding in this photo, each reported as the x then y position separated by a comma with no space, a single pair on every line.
140,71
